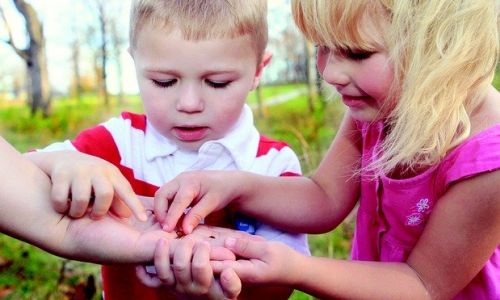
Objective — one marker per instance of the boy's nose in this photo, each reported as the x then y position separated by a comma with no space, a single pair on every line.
335,71
190,100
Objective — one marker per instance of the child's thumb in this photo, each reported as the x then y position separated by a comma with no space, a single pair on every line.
245,247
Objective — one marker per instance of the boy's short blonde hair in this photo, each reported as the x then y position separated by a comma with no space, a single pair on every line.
444,54
203,19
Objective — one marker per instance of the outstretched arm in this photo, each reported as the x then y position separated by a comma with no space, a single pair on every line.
26,214
462,234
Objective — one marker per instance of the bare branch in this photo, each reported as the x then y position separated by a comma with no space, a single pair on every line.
10,41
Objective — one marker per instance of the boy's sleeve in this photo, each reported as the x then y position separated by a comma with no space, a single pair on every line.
96,141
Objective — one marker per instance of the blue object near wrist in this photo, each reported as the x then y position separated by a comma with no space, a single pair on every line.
246,224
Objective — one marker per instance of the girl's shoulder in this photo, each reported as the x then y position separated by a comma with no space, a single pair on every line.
478,154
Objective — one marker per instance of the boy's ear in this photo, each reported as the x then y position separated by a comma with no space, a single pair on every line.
266,59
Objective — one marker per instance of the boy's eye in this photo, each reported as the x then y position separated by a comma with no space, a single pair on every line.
217,84
164,83
355,54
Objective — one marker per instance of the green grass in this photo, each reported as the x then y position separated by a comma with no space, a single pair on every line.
274,90
29,273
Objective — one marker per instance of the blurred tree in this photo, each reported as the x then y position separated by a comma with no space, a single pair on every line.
118,42
103,29
76,85
34,55
312,75
106,40
294,55
261,107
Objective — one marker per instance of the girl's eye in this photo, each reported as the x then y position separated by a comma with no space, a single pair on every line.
217,84
164,83
355,54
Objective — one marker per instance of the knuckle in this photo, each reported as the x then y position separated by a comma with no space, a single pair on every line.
197,289
60,172
80,200
104,193
196,216
59,197
198,267
179,268
242,246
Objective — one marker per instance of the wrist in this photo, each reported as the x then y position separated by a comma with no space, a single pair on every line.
243,183
298,265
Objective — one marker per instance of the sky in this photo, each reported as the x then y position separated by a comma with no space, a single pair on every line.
61,17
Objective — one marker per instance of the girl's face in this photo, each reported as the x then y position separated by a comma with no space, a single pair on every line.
363,79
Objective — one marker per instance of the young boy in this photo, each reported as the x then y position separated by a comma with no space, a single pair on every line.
196,62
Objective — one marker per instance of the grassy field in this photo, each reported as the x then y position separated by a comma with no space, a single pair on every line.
29,273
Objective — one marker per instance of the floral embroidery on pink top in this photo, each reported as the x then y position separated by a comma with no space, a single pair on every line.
417,214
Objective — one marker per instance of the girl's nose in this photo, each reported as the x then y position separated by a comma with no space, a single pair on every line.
333,69
190,99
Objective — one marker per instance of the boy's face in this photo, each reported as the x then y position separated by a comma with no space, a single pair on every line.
193,91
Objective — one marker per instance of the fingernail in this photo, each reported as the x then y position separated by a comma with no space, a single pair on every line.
230,242
143,217
189,228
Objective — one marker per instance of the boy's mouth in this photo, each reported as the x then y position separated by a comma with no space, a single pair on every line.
190,133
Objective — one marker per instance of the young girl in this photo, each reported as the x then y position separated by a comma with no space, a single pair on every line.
418,150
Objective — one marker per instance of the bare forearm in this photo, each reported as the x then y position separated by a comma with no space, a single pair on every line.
290,203
108,241
26,214
328,278
25,210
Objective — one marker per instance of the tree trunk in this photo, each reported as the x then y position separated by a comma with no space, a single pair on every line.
261,108
40,87
312,76
36,60
104,53
76,88
118,42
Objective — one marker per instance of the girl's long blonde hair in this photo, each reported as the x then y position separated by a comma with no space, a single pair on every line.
444,54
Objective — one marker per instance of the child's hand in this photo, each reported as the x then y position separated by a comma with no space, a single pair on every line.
210,190
263,262
184,265
82,183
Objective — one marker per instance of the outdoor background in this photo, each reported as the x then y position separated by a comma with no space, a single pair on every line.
86,76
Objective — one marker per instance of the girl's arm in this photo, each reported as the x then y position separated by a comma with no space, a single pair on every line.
460,237
314,205
275,263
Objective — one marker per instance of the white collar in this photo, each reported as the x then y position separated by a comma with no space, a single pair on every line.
241,142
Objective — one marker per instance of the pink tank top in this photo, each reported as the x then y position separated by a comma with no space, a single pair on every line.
392,213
